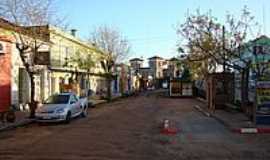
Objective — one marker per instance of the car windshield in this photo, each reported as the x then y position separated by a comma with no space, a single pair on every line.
57,99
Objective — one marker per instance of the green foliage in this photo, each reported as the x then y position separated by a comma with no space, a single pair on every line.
186,75
180,50
213,43
83,60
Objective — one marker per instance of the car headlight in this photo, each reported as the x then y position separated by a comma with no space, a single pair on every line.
60,110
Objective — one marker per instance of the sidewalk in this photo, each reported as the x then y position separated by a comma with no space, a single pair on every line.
21,120
234,120
97,101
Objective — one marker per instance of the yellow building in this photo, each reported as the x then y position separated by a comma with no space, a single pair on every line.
52,62
64,47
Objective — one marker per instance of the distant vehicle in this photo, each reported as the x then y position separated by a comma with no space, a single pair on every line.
165,85
151,88
62,107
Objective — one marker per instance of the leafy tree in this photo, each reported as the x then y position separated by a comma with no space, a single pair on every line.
213,44
83,60
186,75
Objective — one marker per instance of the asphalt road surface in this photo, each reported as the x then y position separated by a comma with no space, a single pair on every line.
129,129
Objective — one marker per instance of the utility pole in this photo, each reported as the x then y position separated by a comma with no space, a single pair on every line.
223,48
264,21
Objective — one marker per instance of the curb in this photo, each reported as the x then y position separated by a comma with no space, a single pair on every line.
202,111
243,130
214,116
201,99
16,125
97,104
251,130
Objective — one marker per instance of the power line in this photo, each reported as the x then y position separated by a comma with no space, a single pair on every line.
150,38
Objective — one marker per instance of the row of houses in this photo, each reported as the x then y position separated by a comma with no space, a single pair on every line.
53,66
159,70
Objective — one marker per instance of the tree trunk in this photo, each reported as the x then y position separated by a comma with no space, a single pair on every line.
243,105
244,90
247,91
109,93
33,103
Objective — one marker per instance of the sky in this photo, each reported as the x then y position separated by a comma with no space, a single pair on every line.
150,25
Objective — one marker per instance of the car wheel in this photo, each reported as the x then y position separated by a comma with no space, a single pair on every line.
68,118
84,112
40,123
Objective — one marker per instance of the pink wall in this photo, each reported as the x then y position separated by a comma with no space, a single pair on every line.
5,75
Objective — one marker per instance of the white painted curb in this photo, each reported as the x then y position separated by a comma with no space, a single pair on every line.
248,130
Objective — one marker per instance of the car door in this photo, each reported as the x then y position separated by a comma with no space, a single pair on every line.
73,105
77,105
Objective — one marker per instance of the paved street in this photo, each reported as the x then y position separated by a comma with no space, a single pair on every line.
129,129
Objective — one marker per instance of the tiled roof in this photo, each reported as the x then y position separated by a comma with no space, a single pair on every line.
6,24
135,59
155,57
174,59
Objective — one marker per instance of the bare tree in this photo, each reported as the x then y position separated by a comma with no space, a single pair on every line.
30,19
113,47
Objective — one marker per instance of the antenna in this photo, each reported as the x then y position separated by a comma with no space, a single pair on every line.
187,13
264,21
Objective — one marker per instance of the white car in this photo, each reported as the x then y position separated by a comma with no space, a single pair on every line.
62,107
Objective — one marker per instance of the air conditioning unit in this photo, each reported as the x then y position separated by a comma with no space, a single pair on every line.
2,48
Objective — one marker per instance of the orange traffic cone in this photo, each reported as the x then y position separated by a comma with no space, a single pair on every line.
167,129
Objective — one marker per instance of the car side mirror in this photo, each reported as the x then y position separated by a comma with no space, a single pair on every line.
72,102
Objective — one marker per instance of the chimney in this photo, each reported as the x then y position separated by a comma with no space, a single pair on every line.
73,32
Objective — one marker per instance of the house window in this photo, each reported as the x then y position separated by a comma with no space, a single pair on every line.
258,50
1,48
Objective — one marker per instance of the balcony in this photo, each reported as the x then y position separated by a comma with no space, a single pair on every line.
57,63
